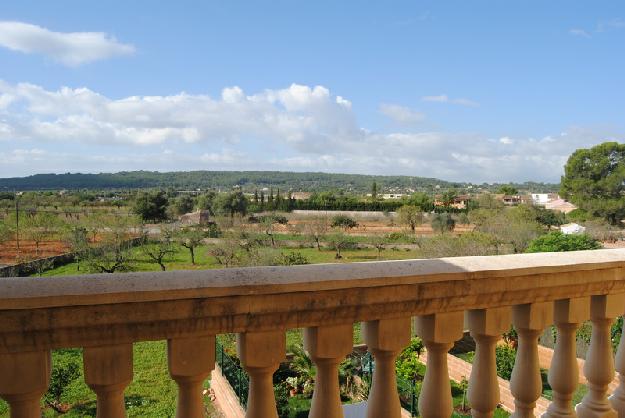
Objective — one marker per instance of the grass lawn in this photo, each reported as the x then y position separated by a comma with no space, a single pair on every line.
181,259
547,391
151,393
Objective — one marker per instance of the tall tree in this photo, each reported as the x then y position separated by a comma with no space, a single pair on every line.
410,216
206,201
159,250
183,204
232,203
443,222
316,229
594,180
508,189
191,238
422,201
151,206
374,191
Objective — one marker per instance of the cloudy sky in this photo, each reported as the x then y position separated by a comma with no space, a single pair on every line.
467,91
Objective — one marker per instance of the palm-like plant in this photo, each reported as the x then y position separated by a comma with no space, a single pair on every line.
304,367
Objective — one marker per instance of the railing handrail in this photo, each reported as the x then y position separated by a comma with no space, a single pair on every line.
35,292
92,310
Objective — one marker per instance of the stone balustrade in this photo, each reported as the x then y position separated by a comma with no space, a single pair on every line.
106,314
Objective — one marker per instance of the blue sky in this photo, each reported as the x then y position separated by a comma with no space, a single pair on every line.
477,91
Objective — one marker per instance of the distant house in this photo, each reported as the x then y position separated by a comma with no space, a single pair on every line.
200,217
544,198
389,196
460,201
509,199
572,228
300,195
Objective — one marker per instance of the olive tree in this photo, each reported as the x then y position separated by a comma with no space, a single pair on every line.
411,216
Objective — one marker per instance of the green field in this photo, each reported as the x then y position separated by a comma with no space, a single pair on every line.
152,392
181,260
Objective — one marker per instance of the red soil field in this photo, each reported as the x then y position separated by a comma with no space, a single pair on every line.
9,254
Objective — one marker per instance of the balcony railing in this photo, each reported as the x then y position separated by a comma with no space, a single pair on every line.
106,314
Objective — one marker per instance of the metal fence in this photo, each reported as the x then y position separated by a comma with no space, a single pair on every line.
234,373
408,390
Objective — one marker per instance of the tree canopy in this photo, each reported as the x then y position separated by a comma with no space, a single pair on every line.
556,241
151,206
594,180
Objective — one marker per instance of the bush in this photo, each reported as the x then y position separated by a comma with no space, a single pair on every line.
291,259
557,242
64,372
343,221
443,222
281,391
407,363
505,356
213,231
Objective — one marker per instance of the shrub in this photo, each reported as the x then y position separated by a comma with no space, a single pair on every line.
213,231
63,374
505,361
281,391
408,365
557,242
443,222
291,259
343,221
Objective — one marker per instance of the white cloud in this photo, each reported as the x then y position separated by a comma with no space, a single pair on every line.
443,98
295,128
401,114
611,24
69,48
579,32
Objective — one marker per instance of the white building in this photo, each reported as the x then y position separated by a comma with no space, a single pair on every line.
573,228
544,198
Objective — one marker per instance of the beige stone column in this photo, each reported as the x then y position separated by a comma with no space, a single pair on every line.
599,365
526,385
327,347
261,354
618,397
486,326
563,373
24,378
108,370
385,339
439,332
190,362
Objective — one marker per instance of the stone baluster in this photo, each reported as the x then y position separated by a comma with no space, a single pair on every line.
108,370
190,362
261,354
385,339
439,332
327,347
24,378
563,372
599,365
618,397
526,384
486,326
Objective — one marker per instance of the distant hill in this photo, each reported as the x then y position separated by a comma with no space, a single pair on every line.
247,180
